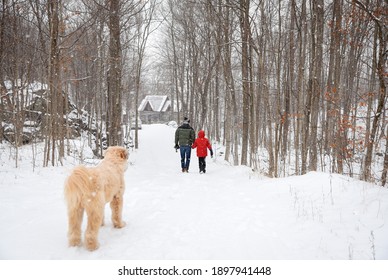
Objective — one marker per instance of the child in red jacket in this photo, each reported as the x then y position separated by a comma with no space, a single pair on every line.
202,144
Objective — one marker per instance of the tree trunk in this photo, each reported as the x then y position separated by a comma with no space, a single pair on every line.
114,76
385,168
302,33
244,27
318,14
333,86
55,104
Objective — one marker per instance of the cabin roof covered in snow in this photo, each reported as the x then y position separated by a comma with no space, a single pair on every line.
156,103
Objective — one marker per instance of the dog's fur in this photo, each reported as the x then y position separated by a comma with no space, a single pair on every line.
89,189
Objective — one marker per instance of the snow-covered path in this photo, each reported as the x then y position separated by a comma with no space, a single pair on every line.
227,213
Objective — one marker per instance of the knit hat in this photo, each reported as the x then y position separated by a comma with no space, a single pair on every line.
186,120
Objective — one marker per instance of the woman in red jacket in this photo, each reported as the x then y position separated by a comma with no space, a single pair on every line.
202,144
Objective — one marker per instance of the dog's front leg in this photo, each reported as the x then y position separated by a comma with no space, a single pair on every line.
117,207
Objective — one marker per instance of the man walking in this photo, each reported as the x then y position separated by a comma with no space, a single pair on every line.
184,138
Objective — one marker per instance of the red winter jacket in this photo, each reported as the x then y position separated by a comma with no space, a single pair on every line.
202,144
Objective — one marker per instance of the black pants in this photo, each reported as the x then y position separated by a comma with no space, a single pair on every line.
202,164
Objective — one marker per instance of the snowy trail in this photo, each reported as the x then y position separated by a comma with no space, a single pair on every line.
227,213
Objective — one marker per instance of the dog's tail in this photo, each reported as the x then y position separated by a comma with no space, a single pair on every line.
79,183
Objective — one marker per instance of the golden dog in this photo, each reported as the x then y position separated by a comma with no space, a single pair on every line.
89,189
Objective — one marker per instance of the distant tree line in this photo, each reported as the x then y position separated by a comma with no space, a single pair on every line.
89,51
303,81
287,86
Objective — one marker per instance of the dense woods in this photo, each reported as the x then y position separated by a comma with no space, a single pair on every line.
287,87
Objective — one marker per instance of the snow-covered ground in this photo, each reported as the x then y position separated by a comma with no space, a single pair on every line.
227,213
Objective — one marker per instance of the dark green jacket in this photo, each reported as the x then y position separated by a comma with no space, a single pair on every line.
184,135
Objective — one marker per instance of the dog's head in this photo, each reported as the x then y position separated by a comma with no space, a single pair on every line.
117,154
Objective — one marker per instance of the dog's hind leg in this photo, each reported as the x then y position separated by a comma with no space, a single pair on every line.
117,208
95,216
75,222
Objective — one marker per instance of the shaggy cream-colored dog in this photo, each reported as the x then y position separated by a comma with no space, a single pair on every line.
89,189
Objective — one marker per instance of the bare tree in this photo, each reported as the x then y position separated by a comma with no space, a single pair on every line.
245,33
230,115
55,135
114,76
382,32
143,21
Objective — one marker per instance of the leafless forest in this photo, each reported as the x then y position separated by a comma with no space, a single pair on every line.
287,87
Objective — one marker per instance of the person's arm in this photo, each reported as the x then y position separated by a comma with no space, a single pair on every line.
210,148
192,136
176,139
194,144
176,136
